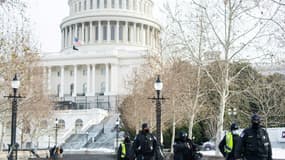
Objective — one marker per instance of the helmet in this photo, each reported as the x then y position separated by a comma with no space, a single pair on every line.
183,135
234,126
255,119
144,126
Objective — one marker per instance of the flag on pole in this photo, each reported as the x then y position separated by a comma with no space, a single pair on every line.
76,43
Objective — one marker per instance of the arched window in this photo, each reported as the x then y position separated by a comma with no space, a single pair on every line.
121,32
105,3
78,124
112,32
71,89
84,88
61,124
120,4
127,4
75,7
58,89
104,32
113,4
98,3
103,87
85,5
91,4
96,33
129,33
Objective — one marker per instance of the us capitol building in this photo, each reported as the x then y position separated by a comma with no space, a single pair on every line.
86,78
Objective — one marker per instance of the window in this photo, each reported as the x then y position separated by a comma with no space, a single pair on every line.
104,32
120,4
61,124
58,73
78,124
98,3
84,89
103,71
103,88
71,89
121,32
58,89
113,3
112,32
91,4
129,34
96,33
71,73
135,4
84,72
105,3
127,4
85,5
79,7
75,7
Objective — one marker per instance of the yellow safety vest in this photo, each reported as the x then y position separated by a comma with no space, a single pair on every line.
123,154
229,142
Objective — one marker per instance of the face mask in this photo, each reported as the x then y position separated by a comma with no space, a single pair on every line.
255,125
235,132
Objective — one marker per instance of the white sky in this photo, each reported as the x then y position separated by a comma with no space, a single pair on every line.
46,16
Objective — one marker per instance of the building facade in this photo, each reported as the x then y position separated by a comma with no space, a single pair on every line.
103,43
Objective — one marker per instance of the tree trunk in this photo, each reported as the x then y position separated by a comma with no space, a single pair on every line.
191,124
2,135
173,127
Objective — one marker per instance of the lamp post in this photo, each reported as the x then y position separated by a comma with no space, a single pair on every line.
56,127
13,146
117,133
232,112
158,85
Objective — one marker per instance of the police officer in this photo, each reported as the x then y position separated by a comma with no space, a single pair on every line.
255,143
183,147
125,151
230,142
145,144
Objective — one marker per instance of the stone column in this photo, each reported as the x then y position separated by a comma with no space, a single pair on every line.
61,81
62,38
148,35
88,80
114,78
117,31
75,31
108,31
107,78
141,35
82,33
99,31
131,5
69,36
74,81
90,32
123,4
93,79
135,33
125,33
101,4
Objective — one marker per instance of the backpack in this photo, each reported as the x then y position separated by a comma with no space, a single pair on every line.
147,144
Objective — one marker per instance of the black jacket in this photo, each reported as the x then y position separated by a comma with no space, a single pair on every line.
184,150
236,141
140,146
255,144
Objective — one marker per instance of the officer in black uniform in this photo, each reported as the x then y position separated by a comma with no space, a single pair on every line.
230,142
145,144
255,143
184,148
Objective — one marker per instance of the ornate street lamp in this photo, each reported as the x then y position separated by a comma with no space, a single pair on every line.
13,146
158,85
56,127
117,133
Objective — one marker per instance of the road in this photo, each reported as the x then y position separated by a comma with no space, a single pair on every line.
89,157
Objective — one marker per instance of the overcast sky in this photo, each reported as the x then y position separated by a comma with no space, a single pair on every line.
46,16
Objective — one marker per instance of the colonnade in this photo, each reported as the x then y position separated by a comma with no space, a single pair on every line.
141,6
110,32
111,74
